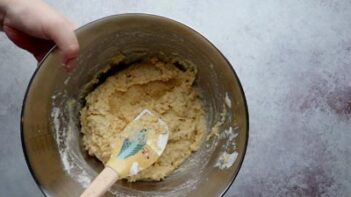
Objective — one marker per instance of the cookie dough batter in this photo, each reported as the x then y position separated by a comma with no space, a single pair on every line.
159,86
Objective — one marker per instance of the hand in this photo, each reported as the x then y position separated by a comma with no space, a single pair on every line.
35,26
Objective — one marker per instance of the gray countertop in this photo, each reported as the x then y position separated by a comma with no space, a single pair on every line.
294,62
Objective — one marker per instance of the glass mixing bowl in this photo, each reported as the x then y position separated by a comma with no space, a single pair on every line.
50,114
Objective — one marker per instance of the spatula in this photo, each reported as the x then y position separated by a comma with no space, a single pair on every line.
140,144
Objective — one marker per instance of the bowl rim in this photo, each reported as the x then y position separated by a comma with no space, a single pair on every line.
82,28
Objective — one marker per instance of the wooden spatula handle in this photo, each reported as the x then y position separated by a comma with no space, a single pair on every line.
101,183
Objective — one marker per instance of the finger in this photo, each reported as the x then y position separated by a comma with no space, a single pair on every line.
38,47
63,35
72,24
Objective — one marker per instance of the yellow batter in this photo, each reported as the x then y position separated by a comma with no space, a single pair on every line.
160,87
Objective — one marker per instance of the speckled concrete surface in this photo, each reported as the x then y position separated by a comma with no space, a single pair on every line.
294,61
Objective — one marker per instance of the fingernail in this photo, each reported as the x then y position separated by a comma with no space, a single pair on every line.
70,64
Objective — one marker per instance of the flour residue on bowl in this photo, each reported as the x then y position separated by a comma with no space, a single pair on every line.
227,100
64,135
228,153
226,160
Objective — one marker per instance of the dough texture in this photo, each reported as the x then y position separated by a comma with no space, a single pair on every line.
161,87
